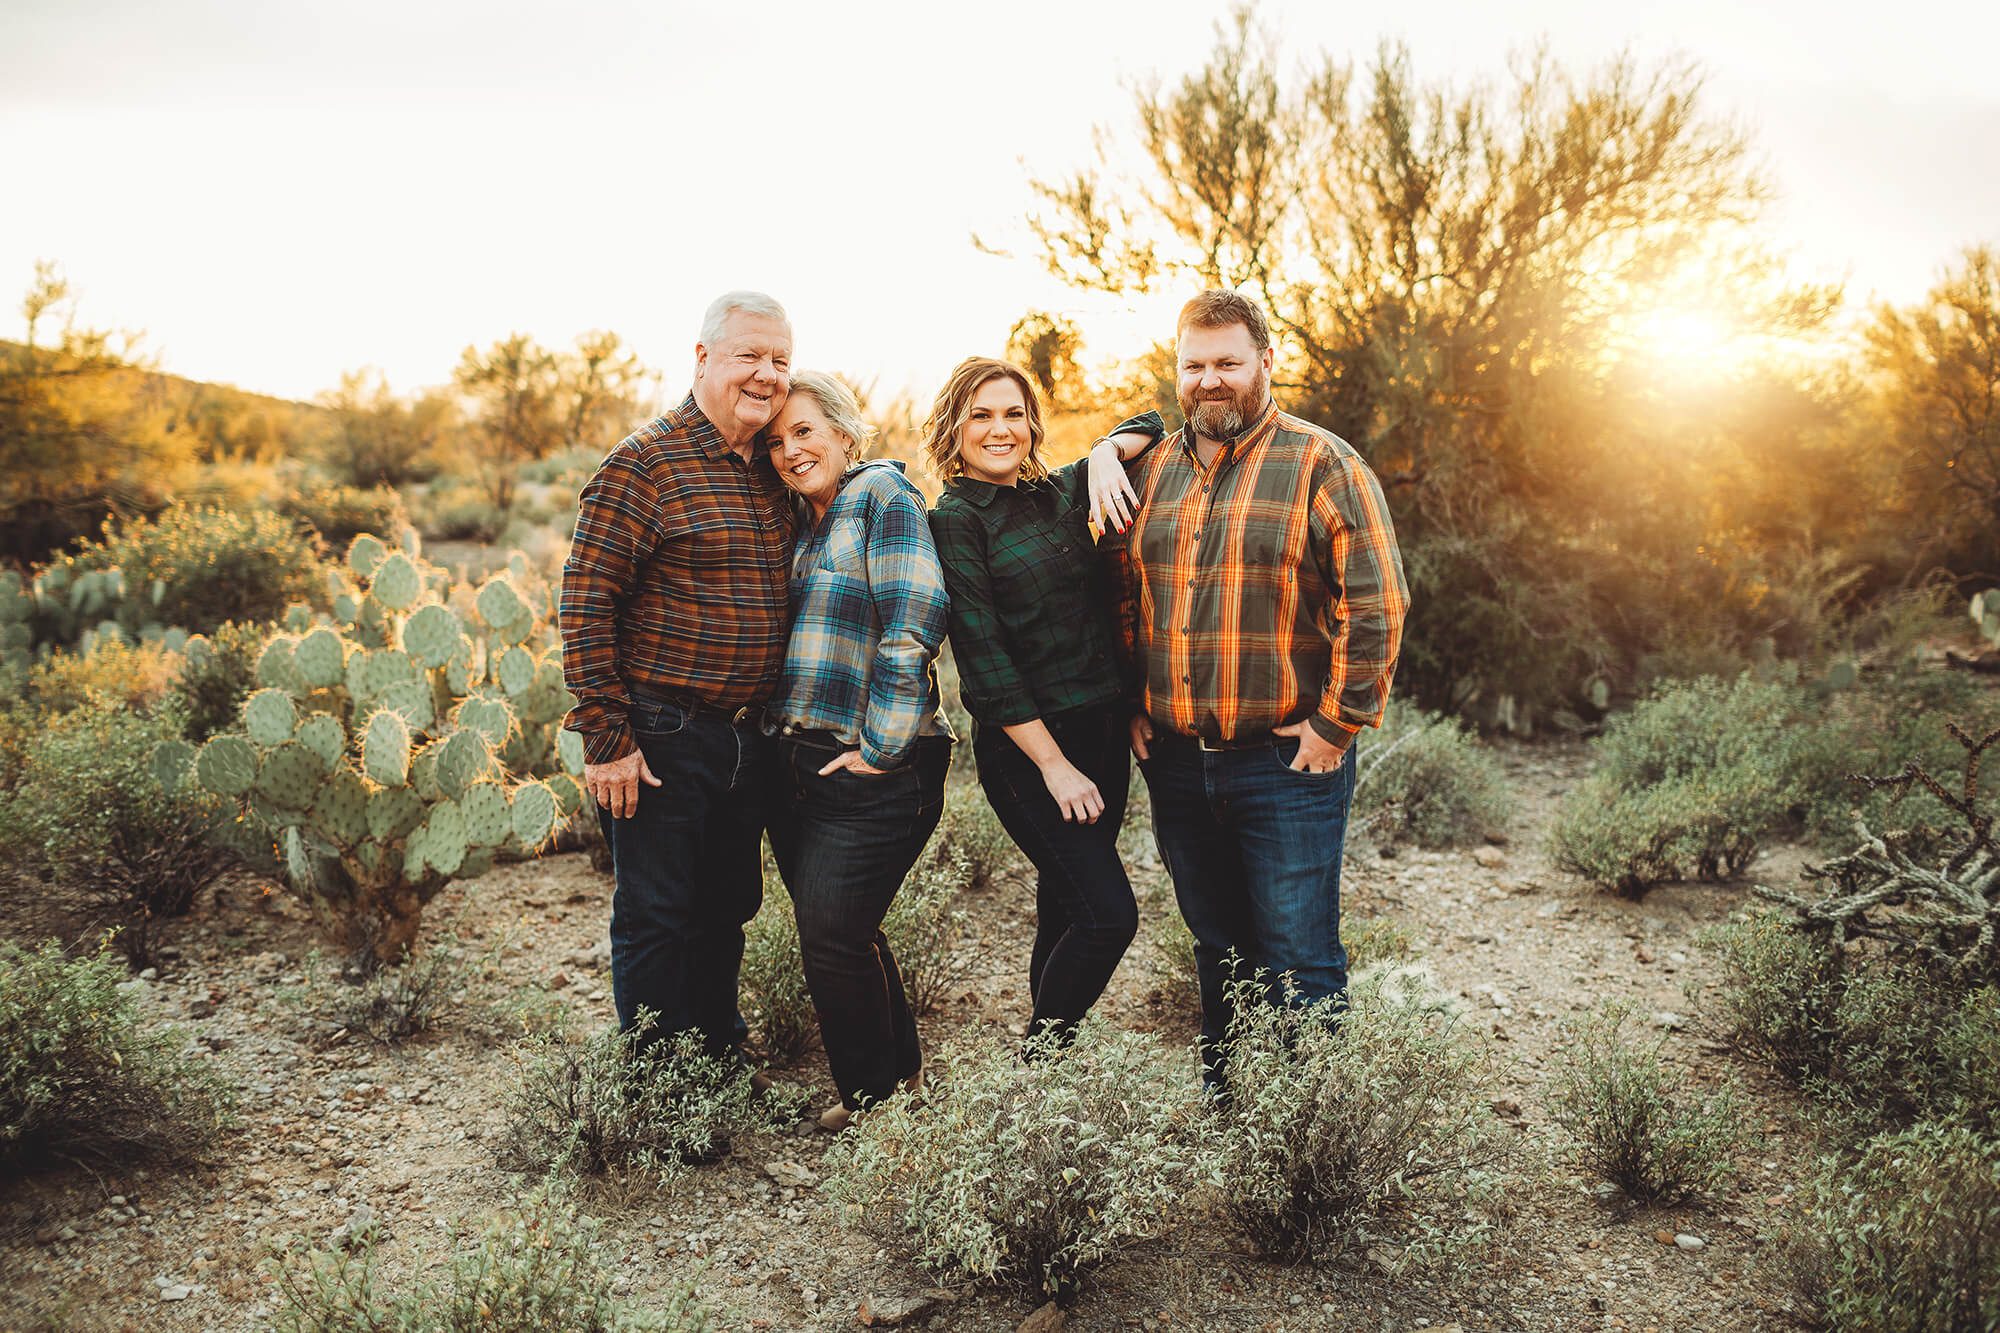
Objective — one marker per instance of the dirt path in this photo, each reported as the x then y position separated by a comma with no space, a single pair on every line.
333,1124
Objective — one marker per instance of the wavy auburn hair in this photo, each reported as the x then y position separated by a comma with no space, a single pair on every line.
944,431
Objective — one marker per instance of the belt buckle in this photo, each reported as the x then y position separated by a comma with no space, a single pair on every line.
740,716
1202,742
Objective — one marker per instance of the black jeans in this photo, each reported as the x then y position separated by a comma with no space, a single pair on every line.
688,873
843,844
1085,916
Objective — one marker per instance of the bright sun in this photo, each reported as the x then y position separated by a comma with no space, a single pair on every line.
1681,339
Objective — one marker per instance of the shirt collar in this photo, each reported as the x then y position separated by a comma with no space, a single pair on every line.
973,490
699,428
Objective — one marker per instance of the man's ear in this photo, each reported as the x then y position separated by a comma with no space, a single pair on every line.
700,359
1268,359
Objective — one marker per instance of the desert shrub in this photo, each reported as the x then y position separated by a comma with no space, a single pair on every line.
538,1266
1372,941
83,1077
1640,1123
1173,957
1905,1237
972,832
1776,994
1425,778
131,675
414,995
218,671
1687,784
1341,1125
617,1105
341,513
457,511
775,1001
1026,1175
1891,721
90,808
191,568
926,930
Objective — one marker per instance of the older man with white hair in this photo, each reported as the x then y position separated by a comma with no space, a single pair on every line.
674,621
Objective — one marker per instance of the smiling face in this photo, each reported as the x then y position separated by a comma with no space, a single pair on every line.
809,455
741,380
1224,380
994,442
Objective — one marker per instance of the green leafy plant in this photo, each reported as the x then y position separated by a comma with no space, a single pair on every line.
776,1003
1425,778
1640,1124
1340,1123
1027,1175
82,1077
928,932
537,1266
619,1105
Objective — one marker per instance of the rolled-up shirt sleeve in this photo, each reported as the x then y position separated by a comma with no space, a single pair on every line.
1354,542
912,605
616,532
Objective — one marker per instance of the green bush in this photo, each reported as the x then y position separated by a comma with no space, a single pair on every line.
339,513
1425,778
83,1078
1640,1124
926,930
90,808
1905,1238
1341,1125
1028,1175
1777,993
458,511
971,832
218,671
775,1001
1687,784
539,1266
617,1105
191,568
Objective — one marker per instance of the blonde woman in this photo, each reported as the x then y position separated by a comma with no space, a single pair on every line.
863,745
1031,631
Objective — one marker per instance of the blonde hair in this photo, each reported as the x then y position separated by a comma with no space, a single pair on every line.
945,429
839,406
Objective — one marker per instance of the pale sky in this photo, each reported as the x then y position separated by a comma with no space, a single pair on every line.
277,192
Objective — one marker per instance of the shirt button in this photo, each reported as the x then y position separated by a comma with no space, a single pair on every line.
1187,680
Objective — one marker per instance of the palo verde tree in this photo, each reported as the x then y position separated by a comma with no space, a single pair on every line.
1450,272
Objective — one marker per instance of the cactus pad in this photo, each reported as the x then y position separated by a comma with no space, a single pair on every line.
393,812
568,791
569,746
396,583
464,759
170,762
364,553
270,717
274,664
298,861
227,765
340,814
412,700
290,777
432,635
516,671
499,604
444,841
385,749
319,658
324,736
487,819
490,717
534,816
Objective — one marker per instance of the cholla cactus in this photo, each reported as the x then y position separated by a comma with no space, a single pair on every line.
408,745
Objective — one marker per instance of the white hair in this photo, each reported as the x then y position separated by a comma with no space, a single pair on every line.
730,303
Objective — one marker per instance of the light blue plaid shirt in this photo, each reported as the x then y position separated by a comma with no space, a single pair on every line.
869,613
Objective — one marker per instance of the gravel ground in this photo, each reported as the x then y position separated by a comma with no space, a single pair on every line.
335,1128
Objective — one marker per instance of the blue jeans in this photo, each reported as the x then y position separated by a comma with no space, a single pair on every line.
1254,850
689,873
1085,916
843,844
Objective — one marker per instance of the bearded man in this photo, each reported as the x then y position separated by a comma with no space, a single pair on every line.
1262,607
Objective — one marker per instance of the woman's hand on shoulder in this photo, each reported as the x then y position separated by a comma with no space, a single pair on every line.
1112,499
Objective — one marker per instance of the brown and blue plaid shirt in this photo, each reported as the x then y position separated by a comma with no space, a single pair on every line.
677,579
1261,590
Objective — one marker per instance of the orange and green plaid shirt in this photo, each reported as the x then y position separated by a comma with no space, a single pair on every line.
1261,590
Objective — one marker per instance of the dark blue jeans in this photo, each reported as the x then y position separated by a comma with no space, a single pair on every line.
1254,851
843,844
689,873
1085,916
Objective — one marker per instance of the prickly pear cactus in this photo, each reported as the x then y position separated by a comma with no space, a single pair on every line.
410,743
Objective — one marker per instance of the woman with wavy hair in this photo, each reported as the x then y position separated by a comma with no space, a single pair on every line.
863,744
1031,631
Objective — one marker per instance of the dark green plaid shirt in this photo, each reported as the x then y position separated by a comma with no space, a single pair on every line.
1030,604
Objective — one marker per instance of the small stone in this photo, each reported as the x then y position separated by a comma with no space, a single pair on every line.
149,974
1688,1242
1642,953
890,1309
1664,1237
1669,1020
809,1296
1048,1319
1492,858
202,1008
791,1173
1507,1107
558,981
178,1292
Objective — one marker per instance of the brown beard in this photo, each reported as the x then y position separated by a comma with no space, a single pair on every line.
1226,419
